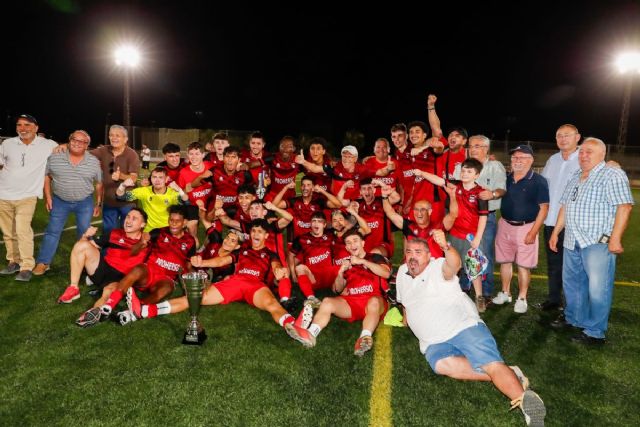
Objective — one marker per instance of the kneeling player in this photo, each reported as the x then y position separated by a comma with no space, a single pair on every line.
362,282
171,249
253,265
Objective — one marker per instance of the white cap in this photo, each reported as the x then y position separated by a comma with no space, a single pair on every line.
349,149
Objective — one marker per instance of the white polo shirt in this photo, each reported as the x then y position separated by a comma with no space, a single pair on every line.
24,164
436,309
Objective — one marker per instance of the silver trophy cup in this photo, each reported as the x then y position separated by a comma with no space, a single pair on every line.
194,284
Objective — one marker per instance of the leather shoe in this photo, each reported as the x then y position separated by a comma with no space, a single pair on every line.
24,276
561,323
40,269
583,338
548,305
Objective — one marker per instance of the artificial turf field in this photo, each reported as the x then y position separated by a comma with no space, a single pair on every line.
249,372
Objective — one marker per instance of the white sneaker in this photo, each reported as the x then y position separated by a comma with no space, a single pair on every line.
501,298
520,306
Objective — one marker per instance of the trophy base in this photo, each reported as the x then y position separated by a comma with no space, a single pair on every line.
190,339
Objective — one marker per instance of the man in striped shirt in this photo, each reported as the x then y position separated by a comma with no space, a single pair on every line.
71,179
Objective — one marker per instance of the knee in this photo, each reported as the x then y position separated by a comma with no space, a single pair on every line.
301,269
444,367
374,305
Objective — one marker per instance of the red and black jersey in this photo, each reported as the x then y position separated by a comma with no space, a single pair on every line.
448,161
339,175
172,174
225,186
392,179
314,251
302,212
321,179
423,189
470,208
339,250
245,221
247,158
405,170
213,160
212,250
362,282
118,250
203,191
170,252
378,222
255,264
283,172
411,230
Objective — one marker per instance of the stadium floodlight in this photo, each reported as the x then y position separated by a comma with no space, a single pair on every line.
628,64
127,57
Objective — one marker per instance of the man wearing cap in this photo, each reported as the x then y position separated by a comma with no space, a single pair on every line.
22,165
524,208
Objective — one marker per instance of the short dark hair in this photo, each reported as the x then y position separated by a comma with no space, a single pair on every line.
177,209
366,181
159,169
170,147
230,150
319,215
220,135
352,232
471,163
420,124
143,213
260,222
419,240
308,178
195,145
246,189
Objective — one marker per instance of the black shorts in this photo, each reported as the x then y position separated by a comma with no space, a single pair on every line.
105,274
192,212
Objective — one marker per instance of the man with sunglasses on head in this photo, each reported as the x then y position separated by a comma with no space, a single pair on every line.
71,179
118,162
22,164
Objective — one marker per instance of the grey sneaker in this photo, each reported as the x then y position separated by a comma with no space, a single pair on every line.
532,408
11,268
24,276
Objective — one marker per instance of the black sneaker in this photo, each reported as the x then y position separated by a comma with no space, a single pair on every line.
585,339
548,306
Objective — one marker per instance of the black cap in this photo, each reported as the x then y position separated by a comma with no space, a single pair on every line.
523,149
28,117
462,131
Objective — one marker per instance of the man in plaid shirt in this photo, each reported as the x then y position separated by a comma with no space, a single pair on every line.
595,209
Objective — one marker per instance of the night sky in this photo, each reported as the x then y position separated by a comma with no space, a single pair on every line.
496,68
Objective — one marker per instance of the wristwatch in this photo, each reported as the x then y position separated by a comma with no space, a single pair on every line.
494,195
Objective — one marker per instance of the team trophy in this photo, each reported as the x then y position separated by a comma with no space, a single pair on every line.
261,190
193,284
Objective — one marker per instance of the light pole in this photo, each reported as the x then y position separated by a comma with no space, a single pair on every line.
127,57
628,63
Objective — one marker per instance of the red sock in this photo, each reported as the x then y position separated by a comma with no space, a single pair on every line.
305,285
284,288
288,319
114,299
152,310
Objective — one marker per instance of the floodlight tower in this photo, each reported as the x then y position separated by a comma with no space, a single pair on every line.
127,57
628,64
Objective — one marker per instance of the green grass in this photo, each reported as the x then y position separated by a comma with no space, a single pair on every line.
250,373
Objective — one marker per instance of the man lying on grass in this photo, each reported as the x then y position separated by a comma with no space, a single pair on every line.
253,265
170,251
361,282
453,338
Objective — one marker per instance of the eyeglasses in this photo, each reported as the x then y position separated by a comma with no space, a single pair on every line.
574,196
79,141
520,158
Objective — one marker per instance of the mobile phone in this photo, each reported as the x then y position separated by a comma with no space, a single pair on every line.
604,238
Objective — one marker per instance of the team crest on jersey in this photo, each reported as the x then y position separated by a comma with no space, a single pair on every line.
183,247
472,198
166,239
237,181
244,253
150,198
221,178
121,241
308,242
166,202
415,232
262,255
278,165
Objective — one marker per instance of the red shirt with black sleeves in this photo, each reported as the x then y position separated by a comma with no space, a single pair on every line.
362,282
470,208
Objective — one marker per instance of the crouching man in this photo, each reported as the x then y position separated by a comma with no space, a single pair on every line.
453,338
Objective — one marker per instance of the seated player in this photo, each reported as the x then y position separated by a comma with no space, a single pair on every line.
253,265
170,250
121,252
361,283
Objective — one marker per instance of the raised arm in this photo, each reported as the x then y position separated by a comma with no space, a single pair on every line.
434,120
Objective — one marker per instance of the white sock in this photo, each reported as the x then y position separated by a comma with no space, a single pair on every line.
365,333
283,318
164,307
315,329
283,299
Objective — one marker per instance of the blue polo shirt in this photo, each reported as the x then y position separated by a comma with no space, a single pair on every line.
522,200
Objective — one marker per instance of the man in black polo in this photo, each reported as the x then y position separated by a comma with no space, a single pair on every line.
524,209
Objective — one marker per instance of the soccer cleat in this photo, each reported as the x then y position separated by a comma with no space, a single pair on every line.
133,303
89,317
520,306
105,310
363,344
532,407
70,294
501,298
313,301
126,317
301,335
524,381
305,317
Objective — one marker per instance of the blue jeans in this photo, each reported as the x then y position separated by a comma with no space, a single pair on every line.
83,211
488,247
587,279
113,217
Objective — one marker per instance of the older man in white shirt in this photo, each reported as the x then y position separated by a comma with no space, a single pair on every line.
23,160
